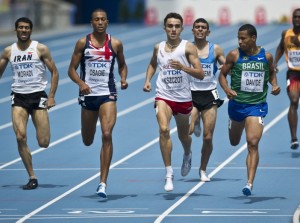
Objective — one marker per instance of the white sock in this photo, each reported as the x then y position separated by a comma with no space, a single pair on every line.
169,171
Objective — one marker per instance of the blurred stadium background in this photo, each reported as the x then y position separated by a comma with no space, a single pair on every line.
60,14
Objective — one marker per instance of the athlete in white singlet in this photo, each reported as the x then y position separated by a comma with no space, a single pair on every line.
205,95
29,60
177,60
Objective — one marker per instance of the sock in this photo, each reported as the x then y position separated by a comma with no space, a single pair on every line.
169,171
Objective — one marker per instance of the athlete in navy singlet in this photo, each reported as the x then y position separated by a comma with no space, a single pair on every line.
96,54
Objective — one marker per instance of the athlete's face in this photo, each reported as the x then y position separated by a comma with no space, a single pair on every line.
99,21
23,31
246,42
296,18
200,30
173,28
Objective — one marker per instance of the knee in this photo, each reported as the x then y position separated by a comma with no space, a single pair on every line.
164,132
207,138
252,145
44,143
106,136
21,137
87,141
234,141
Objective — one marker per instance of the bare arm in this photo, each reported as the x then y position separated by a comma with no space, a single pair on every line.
75,60
46,57
4,59
227,66
273,77
151,70
219,55
279,51
122,66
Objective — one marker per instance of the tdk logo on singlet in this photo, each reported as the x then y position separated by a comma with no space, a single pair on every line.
206,66
253,74
168,70
24,66
97,65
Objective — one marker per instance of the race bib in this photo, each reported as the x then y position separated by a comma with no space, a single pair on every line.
252,81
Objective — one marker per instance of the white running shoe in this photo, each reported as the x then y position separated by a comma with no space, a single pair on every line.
203,176
169,183
101,190
186,164
247,190
197,129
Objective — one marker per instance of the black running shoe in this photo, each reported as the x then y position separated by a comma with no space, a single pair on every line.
295,144
32,184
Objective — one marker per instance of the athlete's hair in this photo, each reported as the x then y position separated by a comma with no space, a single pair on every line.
23,19
201,20
173,15
298,9
98,10
251,30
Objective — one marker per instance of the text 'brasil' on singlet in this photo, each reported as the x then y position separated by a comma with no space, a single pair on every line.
249,77
292,50
29,72
96,67
172,84
209,66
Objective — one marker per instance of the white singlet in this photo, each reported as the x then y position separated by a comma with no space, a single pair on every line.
29,72
171,84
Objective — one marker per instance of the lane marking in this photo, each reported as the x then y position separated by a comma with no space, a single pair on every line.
74,134
215,171
139,150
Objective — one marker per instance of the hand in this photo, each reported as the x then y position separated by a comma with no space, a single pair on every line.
230,93
50,103
275,90
147,87
124,85
176,64
84,89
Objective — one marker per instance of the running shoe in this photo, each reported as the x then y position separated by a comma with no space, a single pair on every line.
169,183
186,164
203,176
32,184
247,189
295,145
197,129
101,190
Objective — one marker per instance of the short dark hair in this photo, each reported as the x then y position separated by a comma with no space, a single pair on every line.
298,9
23,19
173,15
201,20
249,28
98,10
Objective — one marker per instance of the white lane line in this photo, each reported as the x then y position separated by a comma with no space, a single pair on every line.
139,150
74,100
216,170
74,134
